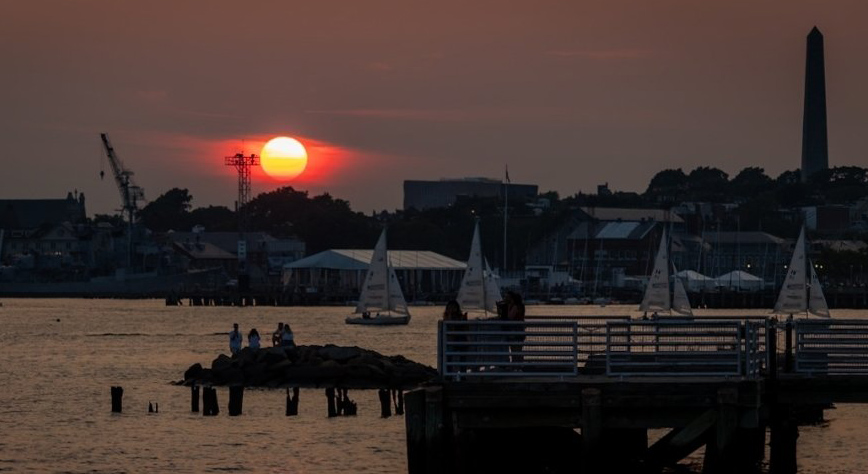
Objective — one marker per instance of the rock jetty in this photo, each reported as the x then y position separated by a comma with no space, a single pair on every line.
310,366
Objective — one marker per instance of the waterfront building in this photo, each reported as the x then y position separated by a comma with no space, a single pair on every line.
421,273
421,195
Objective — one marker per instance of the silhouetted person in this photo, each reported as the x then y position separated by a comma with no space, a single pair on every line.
253,339
234,339
276,336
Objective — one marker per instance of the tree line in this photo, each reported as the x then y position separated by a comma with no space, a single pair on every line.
325,222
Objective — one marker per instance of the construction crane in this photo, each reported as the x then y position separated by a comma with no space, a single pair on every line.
130,193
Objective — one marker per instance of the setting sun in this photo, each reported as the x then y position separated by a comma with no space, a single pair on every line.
283,158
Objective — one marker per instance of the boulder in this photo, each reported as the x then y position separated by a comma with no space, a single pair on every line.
194,372
340,354
311,366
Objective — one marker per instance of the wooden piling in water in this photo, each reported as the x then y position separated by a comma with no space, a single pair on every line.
236,400
117,399
194,399
332,407
398,399
385,403
209,401
292,402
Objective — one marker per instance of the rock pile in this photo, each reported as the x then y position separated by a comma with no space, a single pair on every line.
310,366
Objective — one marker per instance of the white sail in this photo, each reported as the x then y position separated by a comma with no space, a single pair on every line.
680,302
816,301
478,290
657,292
793,297
381,291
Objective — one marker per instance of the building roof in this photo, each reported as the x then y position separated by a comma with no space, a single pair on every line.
359,259
841,245
203,251
631,230
623,214
753,237
33,213
226,241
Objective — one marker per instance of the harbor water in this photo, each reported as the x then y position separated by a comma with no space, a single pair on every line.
60,357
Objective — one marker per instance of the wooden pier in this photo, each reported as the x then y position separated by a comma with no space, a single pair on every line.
581,395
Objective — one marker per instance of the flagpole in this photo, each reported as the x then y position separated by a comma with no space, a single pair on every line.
505,205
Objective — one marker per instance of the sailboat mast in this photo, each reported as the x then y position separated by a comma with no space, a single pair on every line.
505,209
388,276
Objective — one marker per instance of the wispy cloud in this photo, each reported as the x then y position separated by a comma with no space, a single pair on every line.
609,54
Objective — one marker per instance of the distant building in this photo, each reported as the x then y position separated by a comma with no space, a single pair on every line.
815,146
266,255
421,195
342,272
43,232
758,253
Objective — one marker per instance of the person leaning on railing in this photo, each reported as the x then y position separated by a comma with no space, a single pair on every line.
515,313
452,312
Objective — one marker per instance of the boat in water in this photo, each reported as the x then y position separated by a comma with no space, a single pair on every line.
658,296
479,289
381,302
801,291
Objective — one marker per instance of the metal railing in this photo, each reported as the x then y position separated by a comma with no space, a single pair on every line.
619,347
831,346
683,348
485,348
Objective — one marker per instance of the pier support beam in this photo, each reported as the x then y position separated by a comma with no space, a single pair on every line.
719,455
592,428
782,442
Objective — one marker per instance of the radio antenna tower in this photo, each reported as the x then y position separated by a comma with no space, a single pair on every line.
242,164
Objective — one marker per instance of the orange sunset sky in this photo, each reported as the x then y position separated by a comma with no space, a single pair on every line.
569,94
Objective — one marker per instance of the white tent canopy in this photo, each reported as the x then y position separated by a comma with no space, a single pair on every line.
695,281
739,281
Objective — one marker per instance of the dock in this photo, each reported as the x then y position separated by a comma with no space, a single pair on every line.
582,394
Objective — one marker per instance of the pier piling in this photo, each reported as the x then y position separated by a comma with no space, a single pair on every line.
194,399
385,403
117,399
236,400
292,402
332,407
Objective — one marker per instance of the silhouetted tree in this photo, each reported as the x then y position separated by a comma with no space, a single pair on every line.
167,212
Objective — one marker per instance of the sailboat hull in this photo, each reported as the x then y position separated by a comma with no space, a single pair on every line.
382,320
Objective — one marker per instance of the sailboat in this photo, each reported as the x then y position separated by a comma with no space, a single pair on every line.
381,293
479,289
798,293
657,296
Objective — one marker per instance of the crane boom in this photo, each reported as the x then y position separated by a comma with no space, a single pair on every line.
130,193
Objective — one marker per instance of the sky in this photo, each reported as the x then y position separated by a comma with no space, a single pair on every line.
567,94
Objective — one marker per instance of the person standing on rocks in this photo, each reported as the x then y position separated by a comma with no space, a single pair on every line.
253,339
234,339
287,339
277,336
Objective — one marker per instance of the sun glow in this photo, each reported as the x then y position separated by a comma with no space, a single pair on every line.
283,158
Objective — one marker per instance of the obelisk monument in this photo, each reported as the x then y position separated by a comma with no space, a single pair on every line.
815,146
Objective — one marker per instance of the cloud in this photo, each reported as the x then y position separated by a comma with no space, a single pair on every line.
600,55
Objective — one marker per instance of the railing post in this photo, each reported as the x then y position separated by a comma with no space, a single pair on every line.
575,347
788,341
772,348
441,366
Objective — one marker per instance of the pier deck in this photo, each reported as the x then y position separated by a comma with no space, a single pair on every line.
580,395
